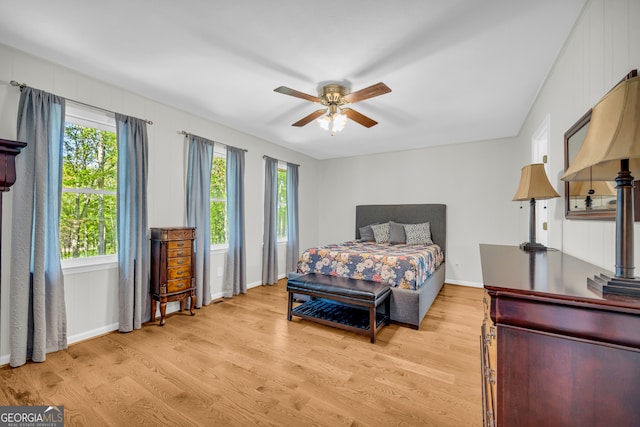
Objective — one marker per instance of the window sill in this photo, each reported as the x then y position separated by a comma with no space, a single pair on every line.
89,264
219,249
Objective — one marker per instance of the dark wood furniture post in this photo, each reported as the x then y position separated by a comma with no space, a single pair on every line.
8,152
172,275
556,352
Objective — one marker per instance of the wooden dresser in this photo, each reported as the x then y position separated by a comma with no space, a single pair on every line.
555,352
172,270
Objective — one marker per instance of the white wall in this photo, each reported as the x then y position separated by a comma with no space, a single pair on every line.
602,48
91,297
476,181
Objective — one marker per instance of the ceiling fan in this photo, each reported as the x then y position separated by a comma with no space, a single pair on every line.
335,97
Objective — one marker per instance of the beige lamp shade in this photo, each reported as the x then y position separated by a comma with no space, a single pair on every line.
600,188
534,184
613,135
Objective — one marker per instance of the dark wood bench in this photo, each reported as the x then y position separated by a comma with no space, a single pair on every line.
349,304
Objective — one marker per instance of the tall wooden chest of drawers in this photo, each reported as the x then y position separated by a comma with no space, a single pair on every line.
172,270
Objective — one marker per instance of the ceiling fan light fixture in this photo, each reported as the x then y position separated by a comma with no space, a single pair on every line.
335,97
333,122
339,122
324,122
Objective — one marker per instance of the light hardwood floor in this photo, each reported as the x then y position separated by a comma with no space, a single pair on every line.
240,362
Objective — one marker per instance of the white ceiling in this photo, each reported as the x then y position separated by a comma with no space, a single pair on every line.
459,70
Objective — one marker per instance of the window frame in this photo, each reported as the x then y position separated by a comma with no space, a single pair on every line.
97,118
282,166
221,152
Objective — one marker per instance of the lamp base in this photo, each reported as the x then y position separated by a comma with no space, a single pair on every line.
532,246
615,285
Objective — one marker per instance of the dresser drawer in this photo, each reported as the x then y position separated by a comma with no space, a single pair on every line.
178,272
179,244
178,285
177,253
179,262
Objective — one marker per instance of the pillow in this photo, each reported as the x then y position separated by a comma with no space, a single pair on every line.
366,234
396,233
418,234
381,232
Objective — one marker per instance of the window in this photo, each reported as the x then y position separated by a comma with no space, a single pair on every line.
218,215
89,184
282,202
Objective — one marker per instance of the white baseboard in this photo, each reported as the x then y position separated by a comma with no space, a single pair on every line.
464,283
93,333
4,360
249,286
254,284
259,282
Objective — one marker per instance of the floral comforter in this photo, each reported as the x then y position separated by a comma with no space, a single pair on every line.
405,266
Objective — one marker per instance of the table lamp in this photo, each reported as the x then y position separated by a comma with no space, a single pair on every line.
611,149
534,184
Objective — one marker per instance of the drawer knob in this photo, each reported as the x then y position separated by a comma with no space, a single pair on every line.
180,272
180,244
181,261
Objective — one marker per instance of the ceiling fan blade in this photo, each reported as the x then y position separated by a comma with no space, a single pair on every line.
292,92
303,121
366,93
359,118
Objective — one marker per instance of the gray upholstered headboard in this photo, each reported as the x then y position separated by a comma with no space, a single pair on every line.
406,214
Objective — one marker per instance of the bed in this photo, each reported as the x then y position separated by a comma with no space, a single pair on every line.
414,272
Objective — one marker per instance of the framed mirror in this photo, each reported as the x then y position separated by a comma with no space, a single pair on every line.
590,199
586,199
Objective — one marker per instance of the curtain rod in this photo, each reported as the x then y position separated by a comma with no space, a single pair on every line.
22,86
185,133
289,163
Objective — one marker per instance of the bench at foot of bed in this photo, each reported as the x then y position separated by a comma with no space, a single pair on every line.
348,304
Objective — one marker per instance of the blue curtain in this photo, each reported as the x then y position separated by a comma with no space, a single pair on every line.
133,242
269,239
198,211
235,277
292,218
38,320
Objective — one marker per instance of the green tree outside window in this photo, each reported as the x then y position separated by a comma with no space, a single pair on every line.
89,182
218,214
282,204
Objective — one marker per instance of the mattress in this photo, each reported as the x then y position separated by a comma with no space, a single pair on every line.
398,265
